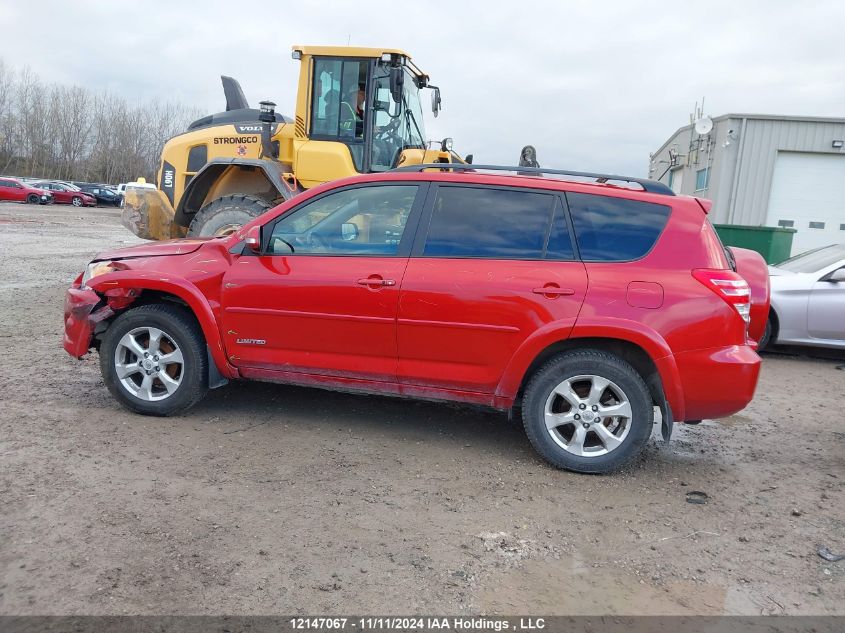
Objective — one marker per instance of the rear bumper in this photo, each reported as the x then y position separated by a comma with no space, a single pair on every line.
80,319
717,382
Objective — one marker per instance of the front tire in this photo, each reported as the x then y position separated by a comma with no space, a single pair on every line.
153,360
76,201
32,199
226,215
587,411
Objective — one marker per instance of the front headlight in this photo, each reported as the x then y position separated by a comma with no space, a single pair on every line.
95,269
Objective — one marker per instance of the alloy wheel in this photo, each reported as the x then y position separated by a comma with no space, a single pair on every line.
588,415
149,363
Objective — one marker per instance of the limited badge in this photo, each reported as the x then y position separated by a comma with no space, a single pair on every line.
250,341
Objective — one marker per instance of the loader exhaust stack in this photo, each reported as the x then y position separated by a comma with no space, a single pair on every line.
268,120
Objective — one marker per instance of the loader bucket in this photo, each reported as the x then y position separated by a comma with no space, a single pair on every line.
148,214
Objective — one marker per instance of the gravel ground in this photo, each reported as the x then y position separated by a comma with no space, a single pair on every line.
270,499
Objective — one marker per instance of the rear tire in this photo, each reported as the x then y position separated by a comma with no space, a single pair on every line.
176,377
569,392
226,215
766,339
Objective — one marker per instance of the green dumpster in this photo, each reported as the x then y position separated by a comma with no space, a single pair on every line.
773,243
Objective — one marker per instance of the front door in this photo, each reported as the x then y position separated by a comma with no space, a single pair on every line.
826,310
323,296
495,266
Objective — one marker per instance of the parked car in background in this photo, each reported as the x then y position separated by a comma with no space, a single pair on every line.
15,190
808,299
66,193
104,195
586,304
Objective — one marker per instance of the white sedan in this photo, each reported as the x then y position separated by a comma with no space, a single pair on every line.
808,299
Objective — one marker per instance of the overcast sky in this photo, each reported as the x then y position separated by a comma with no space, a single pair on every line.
593,85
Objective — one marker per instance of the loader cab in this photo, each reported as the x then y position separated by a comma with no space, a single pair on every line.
357,112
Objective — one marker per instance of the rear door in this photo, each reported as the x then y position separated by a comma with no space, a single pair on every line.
323,296
490,266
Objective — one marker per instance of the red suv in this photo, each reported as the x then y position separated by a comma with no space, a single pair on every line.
585,304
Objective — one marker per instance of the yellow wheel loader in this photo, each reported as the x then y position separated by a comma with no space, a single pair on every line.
358,110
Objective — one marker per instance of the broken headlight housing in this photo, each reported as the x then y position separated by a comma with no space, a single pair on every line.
95,269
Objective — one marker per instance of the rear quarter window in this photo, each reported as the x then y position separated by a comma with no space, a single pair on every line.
615,229
489,223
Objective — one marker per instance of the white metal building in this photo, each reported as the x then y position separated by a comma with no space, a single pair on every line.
763,170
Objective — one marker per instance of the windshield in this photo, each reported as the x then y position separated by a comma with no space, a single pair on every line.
398,126
814,260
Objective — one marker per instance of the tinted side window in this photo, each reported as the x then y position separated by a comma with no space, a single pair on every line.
560,241
489,223
360,221
615,229
337,105
197,157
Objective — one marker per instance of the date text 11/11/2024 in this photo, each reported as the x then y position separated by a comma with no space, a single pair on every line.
398,623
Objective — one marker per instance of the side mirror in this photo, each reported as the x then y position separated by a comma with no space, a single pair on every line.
349,231
435,100
253,239
397,81
468,159
836,276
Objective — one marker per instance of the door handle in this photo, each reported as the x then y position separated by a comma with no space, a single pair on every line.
553,291
376,281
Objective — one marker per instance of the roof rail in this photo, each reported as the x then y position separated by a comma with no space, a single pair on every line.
650,186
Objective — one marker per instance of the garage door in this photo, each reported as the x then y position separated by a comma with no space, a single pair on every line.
808,194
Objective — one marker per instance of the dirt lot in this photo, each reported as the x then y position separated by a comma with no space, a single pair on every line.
271,499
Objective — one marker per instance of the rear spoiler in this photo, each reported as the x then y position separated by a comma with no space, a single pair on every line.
705,204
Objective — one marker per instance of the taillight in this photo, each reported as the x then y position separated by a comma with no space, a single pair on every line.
730,286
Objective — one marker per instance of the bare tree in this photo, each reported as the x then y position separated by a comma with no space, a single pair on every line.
72,133
70,109
7,118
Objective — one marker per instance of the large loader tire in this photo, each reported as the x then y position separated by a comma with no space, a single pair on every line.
226,215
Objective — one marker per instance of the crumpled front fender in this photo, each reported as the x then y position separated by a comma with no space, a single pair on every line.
121,286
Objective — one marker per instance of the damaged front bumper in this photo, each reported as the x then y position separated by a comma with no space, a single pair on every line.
84,308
